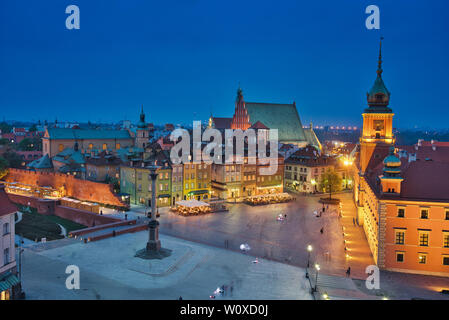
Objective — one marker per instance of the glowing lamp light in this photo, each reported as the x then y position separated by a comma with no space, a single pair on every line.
317,267
309,248
325,296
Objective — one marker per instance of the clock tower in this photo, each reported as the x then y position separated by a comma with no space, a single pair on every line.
377,134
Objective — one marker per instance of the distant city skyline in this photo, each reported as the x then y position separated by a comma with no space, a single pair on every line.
185,60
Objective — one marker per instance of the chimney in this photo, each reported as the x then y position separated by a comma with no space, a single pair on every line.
434,147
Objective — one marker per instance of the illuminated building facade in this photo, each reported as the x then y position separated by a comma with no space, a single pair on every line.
401,194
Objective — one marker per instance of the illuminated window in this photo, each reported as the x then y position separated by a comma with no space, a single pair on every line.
424,238
91,145
446,240
61,147
105,146
422,258
446,260
400,237
399,256
424,213
117,146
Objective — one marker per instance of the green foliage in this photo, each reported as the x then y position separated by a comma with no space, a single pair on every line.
33,128
14,160
30,144
5,128
4,141
330,182
4,165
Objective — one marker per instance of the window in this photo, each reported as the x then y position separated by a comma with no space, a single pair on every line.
166,175
422,258
5,228
447,215
161,187
400,237
187,186
446,260
117,146
139,188
424,238
424,213
139,176
399,256
446,240
91,145
401,212
6,256
105,146
61,147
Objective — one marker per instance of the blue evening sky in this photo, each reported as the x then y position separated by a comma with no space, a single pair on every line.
183,59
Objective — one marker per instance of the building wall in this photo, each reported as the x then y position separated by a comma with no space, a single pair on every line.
197,181
7,242
437,227
137,183
99,173
54,146
79,189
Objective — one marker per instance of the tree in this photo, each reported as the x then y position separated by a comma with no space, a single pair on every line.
14,159
4,165
33,128
330,182
5,128
30,144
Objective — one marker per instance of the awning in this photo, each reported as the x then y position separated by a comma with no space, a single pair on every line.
8,281
163,196
199,192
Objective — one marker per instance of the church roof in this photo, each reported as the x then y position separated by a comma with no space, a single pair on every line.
83,134
312,139
283,117
259,125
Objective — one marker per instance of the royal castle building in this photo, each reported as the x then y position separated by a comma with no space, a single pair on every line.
401,193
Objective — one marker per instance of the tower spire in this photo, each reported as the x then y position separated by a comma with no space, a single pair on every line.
379,63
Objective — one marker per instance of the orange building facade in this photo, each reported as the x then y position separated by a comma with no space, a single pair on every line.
401,194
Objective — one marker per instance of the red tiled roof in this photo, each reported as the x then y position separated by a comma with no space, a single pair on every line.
424,179
6,206
258,125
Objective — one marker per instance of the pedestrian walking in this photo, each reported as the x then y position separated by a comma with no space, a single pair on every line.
322,230
180,298
348,272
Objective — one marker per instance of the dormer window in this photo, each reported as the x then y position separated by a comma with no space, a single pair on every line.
379,97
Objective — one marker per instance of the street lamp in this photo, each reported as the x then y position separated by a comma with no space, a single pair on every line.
309,250
317,268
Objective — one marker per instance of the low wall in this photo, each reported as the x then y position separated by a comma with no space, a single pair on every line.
52,207
80,189
81,232
85,218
